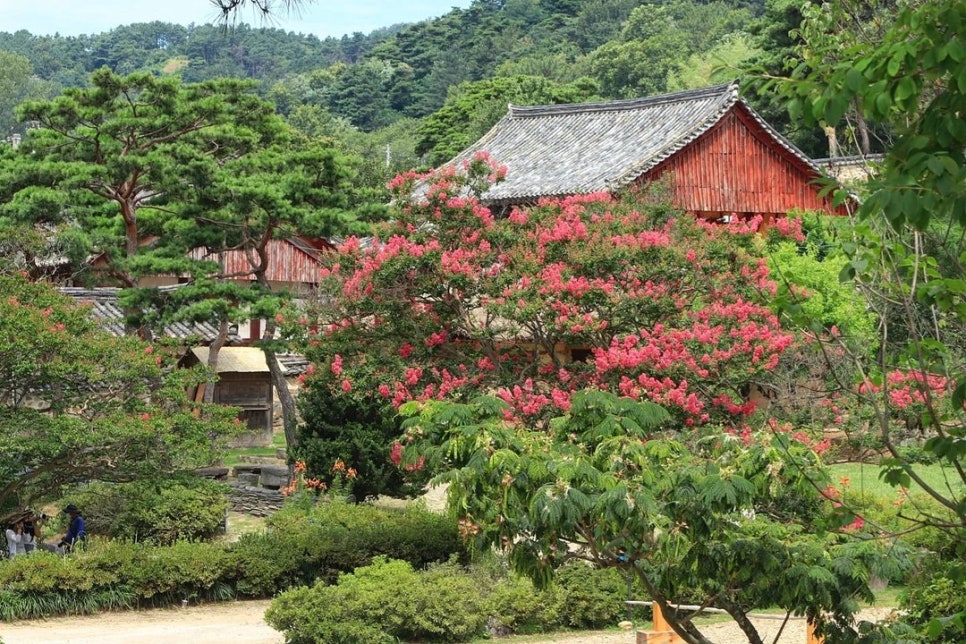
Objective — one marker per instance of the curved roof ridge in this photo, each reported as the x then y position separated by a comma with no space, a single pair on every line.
518,111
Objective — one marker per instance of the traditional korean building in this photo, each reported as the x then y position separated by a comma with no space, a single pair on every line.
719,157
243,381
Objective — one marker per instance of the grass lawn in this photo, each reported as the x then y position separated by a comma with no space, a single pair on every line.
864,477
233,456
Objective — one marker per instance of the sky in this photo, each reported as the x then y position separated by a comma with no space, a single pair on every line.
320,17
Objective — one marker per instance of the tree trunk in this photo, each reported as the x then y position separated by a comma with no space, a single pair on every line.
213,350
865,145
285,398
741,618
683,627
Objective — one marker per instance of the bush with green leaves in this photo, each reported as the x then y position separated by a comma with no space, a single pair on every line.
113,575
386,601
163,512
338,537
934,602
515,605
390,601
357,431
298,549
591,597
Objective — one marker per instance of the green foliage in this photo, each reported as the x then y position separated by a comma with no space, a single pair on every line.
359,432
936,601
590,597
472,108
906,246
15,77
656,42
31,605
80,405
809,290
737,521
299,549
912,77
905,72
163,512
336,537
720,64
390,601
516,605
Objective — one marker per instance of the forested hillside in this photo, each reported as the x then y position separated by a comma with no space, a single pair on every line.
415,94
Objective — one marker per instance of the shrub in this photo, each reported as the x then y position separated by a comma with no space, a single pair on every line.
186,507
933,599
591,597
267,563
515,605
338,537
298,550
386,601
184,570
36,605
445,603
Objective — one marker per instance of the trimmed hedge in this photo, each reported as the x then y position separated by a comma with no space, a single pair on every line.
389,601
298,549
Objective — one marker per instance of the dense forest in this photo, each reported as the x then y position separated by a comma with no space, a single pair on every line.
410,95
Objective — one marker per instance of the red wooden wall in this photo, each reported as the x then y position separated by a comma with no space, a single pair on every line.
288,261
735,167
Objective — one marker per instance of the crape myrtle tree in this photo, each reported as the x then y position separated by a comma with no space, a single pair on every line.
624,295
621,294
611,338
78,405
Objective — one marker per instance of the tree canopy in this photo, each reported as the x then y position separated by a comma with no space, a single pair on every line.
78,404
588,291
715,520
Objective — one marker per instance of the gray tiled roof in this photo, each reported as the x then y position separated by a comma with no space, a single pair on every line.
557,150
109,315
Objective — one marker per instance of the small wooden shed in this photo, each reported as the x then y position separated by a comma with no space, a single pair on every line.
719,157
243,381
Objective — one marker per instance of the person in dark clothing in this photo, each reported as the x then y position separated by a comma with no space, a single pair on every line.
76,529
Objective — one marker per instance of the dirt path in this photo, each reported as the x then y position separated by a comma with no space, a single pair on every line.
243,623
228,623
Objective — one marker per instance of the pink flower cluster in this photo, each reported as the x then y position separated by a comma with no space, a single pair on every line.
909,387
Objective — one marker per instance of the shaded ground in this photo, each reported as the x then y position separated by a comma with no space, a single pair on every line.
243,623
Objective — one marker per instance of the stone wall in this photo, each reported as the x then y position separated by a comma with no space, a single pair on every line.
255,488
256,501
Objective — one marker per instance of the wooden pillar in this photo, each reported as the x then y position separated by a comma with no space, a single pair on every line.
660,623
661,632
811,637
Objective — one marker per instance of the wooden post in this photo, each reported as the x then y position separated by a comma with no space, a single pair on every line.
661,632
811,637
660,623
